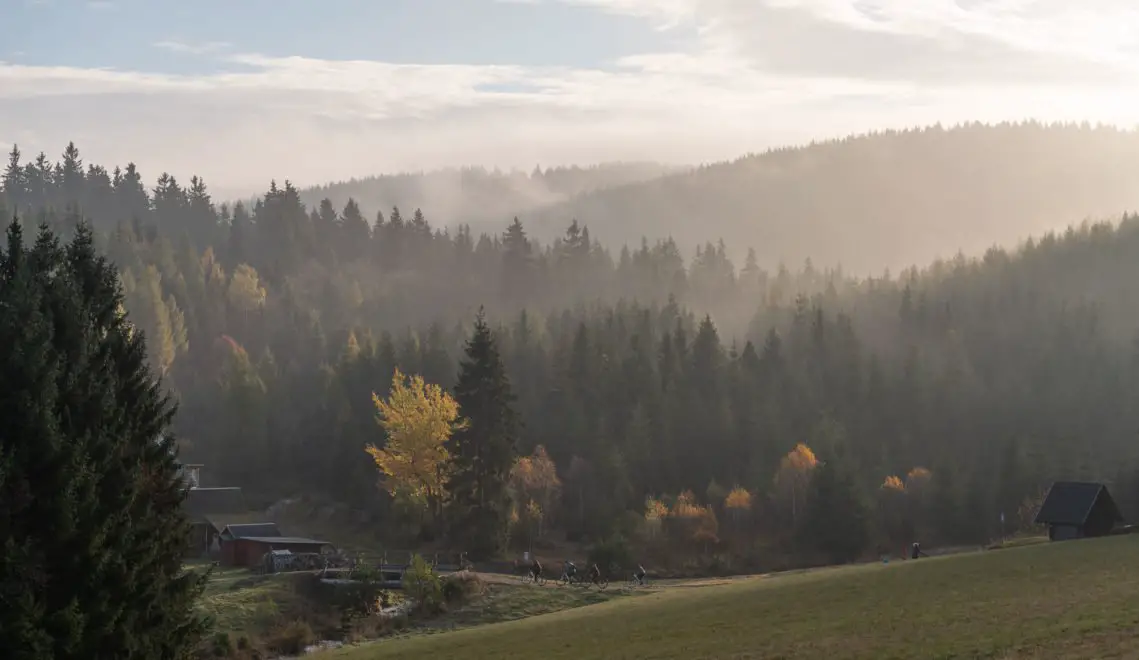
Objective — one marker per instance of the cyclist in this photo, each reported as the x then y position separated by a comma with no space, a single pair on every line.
536,569
594,574
639,575
570,570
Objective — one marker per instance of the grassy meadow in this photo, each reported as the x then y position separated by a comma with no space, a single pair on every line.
1066,600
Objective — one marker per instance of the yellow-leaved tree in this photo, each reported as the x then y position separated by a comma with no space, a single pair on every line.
534,487
738,503
893,511
793,478
691,522
418,418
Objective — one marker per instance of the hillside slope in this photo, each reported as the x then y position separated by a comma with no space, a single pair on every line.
485,199
1071,600
881,200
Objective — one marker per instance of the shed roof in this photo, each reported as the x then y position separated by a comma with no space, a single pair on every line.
203,501
251,530
1071,502
219,521
283,540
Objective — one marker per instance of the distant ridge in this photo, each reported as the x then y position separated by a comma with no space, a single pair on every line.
886,199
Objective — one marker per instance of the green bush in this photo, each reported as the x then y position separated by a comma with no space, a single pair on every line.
462,587
367,574
423,586
356,599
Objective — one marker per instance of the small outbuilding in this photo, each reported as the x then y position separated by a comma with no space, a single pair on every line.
203,504
247,544
244,530
1078,509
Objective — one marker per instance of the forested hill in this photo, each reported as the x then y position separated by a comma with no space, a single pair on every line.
880,200
476,196
276,323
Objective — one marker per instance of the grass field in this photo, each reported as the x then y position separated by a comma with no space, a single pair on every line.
258,608
510,599
243,603
1067,600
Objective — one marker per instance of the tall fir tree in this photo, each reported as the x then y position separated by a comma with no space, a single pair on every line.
92,531
836,523
484,450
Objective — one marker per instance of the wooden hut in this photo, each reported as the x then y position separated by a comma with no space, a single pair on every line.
1077,509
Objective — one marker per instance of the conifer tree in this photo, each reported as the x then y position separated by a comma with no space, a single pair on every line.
484,450
92,531
835,524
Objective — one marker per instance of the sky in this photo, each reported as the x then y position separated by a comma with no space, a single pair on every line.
245,91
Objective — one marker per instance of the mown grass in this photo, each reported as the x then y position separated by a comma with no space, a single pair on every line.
515,600
1066,600
240,602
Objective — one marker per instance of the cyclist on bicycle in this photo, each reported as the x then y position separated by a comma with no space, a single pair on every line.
639,575
536,569
594,574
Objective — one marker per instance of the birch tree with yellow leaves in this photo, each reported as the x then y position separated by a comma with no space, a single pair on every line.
418,418
793,478
535,486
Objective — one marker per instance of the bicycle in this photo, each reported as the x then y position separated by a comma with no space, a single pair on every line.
567,579
539,580
602,583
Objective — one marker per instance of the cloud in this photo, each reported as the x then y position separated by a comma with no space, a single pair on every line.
192,48
761,73
911,39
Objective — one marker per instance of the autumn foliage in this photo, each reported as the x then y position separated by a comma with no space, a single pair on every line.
418,418
739,499
902,506
793,478
689,522
535,488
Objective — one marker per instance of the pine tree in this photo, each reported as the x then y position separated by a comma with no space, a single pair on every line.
517,264
707,360
69,175
13,182
354,234
484,451
91,524
836,518
200,212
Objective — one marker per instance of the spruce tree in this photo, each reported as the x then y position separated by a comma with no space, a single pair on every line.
91,525
836,521
484,450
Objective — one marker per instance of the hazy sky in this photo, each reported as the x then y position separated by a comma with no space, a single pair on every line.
242,91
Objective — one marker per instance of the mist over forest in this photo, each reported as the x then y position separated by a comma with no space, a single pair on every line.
644,370
885,200
342,329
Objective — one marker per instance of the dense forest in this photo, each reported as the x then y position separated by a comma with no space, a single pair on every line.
753,408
